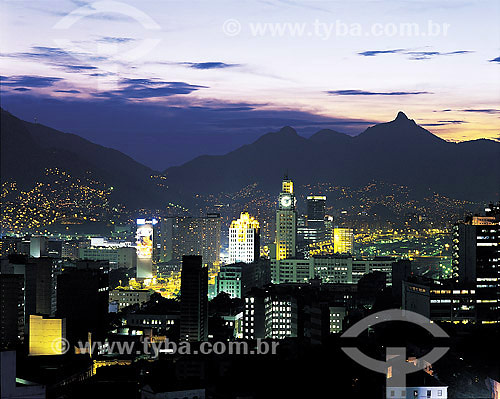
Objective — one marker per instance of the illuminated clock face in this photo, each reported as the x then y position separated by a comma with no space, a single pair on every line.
286,201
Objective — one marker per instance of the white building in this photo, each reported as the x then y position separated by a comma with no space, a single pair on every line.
117,256
281,316
338,269
244,239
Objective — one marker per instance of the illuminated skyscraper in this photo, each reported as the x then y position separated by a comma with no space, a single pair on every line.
144,243
244,239
286,222
343,240
476,251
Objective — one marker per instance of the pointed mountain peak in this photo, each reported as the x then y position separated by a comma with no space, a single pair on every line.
401,117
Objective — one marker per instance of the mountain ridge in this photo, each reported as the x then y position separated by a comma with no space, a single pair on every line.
27,149
399,151
396,152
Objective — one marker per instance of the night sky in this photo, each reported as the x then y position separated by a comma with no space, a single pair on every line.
165,81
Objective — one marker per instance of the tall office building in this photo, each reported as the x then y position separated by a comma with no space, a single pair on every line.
183,235
343,240
244,239
194,299
11,309
39,287
286,222
316,216
476,254
144,246
82,299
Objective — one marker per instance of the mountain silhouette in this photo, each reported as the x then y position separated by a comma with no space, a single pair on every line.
28,148
398,151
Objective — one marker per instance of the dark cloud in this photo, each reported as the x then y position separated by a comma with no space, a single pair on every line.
482,111
78,68
110,39
412,55
354,92
21,89
67,91
211,65
472,110
426,55
57,57
444,123
372,53
28,81
148,88
495,59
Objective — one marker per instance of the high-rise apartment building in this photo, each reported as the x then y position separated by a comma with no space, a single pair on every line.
476,261
286,222
244,239
194,299
182,235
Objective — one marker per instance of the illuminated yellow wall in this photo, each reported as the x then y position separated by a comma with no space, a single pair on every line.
343,240
46,336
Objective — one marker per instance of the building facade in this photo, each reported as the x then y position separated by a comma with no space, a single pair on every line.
286,222
343,240
476,261
244,239
182,235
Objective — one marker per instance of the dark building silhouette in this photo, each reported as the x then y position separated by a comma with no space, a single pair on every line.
401,271
194,299
39,287
82,298
11,309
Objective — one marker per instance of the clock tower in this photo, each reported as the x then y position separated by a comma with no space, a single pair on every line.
286,221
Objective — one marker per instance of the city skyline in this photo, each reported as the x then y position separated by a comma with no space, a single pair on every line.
201,196
210,85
